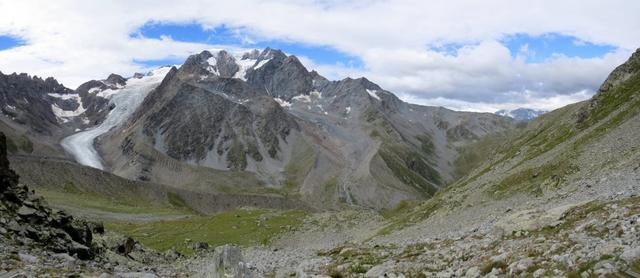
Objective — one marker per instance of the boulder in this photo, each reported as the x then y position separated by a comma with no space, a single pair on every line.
127,246
228,263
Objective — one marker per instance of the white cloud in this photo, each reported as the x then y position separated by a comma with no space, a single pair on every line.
80,40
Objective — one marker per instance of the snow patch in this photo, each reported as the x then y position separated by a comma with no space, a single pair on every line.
261,63
302,98
108,93
63,96
373,93
244,65
283,103
94,90
212,66
63,114
316,94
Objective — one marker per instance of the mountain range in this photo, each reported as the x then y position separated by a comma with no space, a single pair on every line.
311,177
248,123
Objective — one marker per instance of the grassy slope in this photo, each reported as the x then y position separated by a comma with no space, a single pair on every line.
133,208
413,165
556,135
241,226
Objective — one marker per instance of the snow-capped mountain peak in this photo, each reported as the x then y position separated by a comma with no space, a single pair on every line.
521,114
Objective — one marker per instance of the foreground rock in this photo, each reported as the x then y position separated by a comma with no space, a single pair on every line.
27,219
36,240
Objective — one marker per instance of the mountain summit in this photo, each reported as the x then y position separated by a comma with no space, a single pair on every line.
257,122
521,114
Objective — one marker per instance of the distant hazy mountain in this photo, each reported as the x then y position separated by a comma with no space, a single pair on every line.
521,114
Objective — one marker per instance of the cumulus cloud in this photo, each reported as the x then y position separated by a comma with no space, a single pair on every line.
396,40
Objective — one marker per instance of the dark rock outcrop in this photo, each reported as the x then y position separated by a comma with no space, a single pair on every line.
26,101
282,76
29,220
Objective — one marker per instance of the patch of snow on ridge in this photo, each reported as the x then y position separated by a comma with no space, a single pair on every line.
373,93
283,103
245,65
316,94
62,114
212,65
303,98
63,96
94,90
261,63
126,101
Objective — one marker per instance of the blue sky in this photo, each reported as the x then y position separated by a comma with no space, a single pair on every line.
543,47
7,42
539,48
221,35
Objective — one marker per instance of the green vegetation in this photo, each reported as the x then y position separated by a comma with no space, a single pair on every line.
358,268
406,216
608,102
532,180
402,208
297,169
361,259
576,214
411,167
237,156
580,269
635,266
72,198
241,226
21,143
411,163
252,150
330,185
491,265
473,155
427,146
177,202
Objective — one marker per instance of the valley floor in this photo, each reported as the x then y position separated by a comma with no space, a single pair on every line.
580,234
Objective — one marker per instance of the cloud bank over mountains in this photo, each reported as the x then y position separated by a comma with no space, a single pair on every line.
452,53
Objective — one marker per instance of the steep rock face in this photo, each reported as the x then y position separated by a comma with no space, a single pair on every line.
622,73
96,104
29,100
27,218
202,116
36,113
280,75
216,124
262,115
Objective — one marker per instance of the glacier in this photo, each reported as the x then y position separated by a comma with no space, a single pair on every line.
126,100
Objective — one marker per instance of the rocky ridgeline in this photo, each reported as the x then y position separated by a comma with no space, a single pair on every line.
27,219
